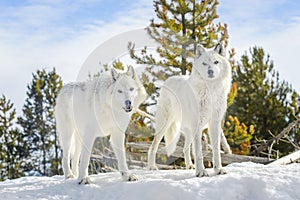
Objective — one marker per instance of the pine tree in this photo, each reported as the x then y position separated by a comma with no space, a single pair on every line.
263,99
182,25
238,135
54,84
11,145
38,122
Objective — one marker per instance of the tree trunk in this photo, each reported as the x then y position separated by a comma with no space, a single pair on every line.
183,54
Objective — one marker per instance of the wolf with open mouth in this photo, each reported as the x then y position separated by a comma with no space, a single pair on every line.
96,108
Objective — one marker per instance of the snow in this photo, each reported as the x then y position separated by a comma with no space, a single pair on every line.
243,181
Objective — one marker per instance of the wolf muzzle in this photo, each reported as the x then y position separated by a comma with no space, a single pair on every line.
128,106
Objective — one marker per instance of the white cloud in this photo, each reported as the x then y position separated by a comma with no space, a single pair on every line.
33,41
258,23
283,47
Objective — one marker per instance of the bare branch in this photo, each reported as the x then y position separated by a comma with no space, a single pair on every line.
144,114
279,136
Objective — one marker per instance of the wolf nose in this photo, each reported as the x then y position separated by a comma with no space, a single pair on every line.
210,73
128,103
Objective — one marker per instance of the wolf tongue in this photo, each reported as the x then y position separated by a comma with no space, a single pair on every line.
128,107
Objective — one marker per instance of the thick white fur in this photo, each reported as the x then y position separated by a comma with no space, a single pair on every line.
188,105
93,109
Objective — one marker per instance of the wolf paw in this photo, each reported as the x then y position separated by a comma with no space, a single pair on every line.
133,178
202,173
220,171
85,180
129,177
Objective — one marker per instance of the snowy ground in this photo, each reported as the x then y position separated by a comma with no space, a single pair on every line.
243,181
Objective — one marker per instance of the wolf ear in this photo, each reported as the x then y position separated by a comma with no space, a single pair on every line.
114,74
220,49
131,72
199,50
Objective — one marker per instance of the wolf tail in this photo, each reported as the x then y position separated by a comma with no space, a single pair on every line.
172,137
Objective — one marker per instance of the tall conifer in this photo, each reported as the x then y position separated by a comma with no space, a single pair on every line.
38,122
11,145
264,100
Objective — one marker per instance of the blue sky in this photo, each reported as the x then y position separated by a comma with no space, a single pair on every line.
38,34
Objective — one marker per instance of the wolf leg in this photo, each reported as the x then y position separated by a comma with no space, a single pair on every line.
163,121
87,144
224,143
215,131
75,159
200,169
67,145
66,164
152,151
117,140
162,126
187,149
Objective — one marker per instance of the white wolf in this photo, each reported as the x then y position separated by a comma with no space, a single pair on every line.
93,109
191,104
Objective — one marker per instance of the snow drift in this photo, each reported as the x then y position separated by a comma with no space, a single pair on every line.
243,181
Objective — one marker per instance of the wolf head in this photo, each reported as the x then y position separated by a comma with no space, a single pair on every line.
127,91
211,63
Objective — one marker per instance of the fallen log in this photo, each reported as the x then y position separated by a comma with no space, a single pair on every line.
142,148
111,163
207,155
286,159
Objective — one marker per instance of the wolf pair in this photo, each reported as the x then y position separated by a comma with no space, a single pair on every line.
104,106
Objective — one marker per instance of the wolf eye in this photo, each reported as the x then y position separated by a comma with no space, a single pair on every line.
131,89
204,63
120,91
216,62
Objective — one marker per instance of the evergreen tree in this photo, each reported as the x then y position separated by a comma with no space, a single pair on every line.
10,142
263,99
38,122
54,84
182,25
238,135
